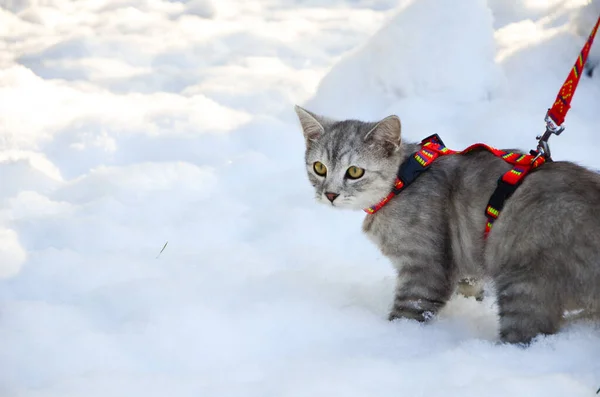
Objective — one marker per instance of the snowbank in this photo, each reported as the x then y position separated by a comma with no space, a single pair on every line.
430,50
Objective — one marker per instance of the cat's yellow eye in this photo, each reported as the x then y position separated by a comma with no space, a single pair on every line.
320,168
355,172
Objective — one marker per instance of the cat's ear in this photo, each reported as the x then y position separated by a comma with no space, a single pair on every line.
386,132
311,126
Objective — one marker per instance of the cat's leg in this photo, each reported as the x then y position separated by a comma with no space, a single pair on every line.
527,307
422,290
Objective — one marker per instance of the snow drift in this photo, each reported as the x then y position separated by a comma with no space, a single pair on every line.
429,50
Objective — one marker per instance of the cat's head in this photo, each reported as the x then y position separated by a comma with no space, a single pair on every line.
351,164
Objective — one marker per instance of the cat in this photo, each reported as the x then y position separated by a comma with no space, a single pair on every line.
542,256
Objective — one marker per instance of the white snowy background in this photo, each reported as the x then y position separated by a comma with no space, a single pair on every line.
125,124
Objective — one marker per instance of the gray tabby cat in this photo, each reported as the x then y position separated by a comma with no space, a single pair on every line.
542,254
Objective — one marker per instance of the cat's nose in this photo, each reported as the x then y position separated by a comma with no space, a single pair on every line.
331,196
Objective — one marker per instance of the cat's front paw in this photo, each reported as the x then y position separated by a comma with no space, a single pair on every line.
410,313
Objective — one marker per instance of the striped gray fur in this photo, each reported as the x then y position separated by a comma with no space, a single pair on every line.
542,255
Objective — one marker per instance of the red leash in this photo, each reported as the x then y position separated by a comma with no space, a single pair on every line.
557,113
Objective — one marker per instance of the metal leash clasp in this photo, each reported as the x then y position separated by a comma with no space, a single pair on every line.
543,148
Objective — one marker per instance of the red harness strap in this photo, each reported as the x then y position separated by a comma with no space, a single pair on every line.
432,147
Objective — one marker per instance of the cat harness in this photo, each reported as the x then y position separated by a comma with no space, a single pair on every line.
433,147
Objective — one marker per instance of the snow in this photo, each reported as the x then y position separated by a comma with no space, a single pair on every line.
128,124
418,57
